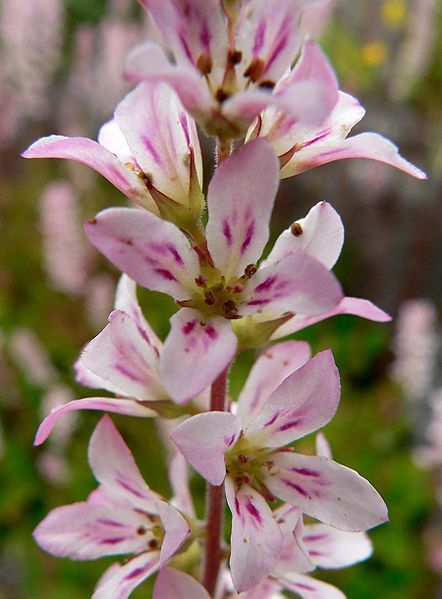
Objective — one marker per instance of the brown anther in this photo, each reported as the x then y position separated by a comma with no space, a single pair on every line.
230,306
237,288
255,69
296,229
209,298
141,530
204,64
221,95
200,281
146,178
92,221
153,544
242,459
130,166
234,57
250,270
267,84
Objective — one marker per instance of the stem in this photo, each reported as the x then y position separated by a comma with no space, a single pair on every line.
215,501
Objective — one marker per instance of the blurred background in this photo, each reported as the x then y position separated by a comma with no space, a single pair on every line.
60,72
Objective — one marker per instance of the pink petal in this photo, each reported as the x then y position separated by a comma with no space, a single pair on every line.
240,205
111,137
151,251
162,137
95,156
294,556
195,353
87,531
269,32
271,368
310,588
325,490
148,61
204,439
121,579
179,481
332,548
124,360
364,145
127,301
256,540
176,530
117,405
192,29
320,234
305,401
174,584
298,283
114,467
348,305
322,446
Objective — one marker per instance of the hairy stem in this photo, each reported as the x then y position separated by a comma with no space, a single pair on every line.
214,501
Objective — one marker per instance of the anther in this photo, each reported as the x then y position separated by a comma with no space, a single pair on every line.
204,64
221,95
209,298
267,84
152,544
296,229
242,459
234,57
255,69
250,270
229,306
141,530
200,281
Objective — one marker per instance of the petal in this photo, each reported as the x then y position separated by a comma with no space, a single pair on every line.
114,467
271,368
256,540
269,32
240,205
320,234
148,61
310,588
121,579
87,531
294,556
179,481
268,589
305,401
195,353
111,137
162,138
117,405
348,305
174,584
364,145
192,29
332,548
151,251
176,530
127,301
325,490
121,356
95,156
298,283
204,439
322,446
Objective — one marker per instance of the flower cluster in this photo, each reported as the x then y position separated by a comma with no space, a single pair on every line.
234,75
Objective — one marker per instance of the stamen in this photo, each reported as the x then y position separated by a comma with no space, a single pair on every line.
255,69
250,270
204,64
234,57
267,84
296,229
221,95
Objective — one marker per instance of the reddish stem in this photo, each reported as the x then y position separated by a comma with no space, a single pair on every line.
215,501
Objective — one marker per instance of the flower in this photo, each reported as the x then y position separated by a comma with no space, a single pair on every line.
247,450
320,234
228,60
217,281
301,147
122,516
149,151
123,359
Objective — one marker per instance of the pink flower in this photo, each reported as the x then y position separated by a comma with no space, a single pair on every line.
149,151
219,282
122,516
228,61
247,451
301,147
320,234
122,359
